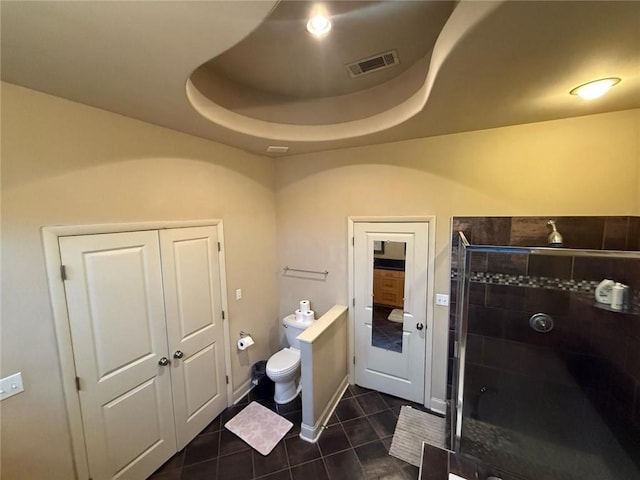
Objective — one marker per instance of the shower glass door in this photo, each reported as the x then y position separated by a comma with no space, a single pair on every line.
548,380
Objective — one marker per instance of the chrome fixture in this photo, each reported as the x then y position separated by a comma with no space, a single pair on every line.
541,322
555,239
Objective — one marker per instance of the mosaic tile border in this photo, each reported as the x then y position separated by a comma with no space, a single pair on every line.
546,283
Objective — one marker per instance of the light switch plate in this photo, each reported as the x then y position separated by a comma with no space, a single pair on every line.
442,299
11,385
238,294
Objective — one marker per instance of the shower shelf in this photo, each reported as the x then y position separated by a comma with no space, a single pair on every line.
633,310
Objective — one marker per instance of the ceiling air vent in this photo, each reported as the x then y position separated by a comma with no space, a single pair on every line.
373,64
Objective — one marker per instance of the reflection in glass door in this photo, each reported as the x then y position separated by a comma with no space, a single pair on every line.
388,294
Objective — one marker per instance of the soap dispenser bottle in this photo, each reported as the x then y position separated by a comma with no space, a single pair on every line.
603,291
618,292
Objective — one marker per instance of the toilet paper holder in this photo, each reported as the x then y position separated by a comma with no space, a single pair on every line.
245,341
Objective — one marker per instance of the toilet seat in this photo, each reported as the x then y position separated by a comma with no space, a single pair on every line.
285,362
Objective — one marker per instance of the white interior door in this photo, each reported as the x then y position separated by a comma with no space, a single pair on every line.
191,273
117,321
390,337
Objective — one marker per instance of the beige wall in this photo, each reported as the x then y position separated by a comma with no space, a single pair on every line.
65,163
581,166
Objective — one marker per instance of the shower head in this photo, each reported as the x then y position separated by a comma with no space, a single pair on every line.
555,239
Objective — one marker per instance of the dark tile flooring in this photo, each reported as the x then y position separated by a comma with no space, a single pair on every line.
355,445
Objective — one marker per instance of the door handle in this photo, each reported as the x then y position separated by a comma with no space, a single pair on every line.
419,326
178,354
163,362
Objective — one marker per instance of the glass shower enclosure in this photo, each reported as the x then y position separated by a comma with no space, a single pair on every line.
546,379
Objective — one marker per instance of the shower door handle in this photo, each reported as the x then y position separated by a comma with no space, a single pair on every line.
419,326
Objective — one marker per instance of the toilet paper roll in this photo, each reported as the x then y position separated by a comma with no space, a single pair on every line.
305,306
304,316
245,342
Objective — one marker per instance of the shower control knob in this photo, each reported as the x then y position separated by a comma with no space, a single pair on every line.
178,354
419,326
541,322
163,362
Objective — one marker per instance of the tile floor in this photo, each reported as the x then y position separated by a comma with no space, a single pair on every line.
354,446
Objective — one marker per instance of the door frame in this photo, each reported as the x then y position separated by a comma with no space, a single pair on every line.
50,235
431,242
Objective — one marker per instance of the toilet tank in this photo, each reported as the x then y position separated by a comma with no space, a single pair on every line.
293,328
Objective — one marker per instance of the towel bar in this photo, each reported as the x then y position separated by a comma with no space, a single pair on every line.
289,269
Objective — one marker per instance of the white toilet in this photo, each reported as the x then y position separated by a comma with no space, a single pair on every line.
284,366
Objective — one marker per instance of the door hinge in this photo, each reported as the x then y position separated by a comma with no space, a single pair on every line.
353,241
353,302
63,272
227,379
219,248
354,359
223,314
78,383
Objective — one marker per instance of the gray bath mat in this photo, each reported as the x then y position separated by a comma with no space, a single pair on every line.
413,428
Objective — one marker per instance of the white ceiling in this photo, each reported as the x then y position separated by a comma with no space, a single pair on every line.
265,81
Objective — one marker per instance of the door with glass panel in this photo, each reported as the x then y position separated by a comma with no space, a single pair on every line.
390,286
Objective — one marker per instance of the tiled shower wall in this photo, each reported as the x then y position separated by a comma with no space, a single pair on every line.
597,233
600,349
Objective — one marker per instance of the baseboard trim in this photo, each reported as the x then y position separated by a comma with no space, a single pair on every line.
310,433
242,390
438,405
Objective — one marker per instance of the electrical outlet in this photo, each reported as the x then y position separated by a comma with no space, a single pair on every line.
11,385
442,299
238,294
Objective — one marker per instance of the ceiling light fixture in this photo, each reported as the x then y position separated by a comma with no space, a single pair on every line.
319,25
595,89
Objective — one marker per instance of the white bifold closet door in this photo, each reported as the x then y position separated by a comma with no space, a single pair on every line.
191,273
145,320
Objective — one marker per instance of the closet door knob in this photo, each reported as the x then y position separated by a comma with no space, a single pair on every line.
178,354
163,362
419,326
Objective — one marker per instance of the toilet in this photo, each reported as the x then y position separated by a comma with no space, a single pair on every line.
284,366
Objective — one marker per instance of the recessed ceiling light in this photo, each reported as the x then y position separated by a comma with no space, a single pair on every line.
319,25
595,89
